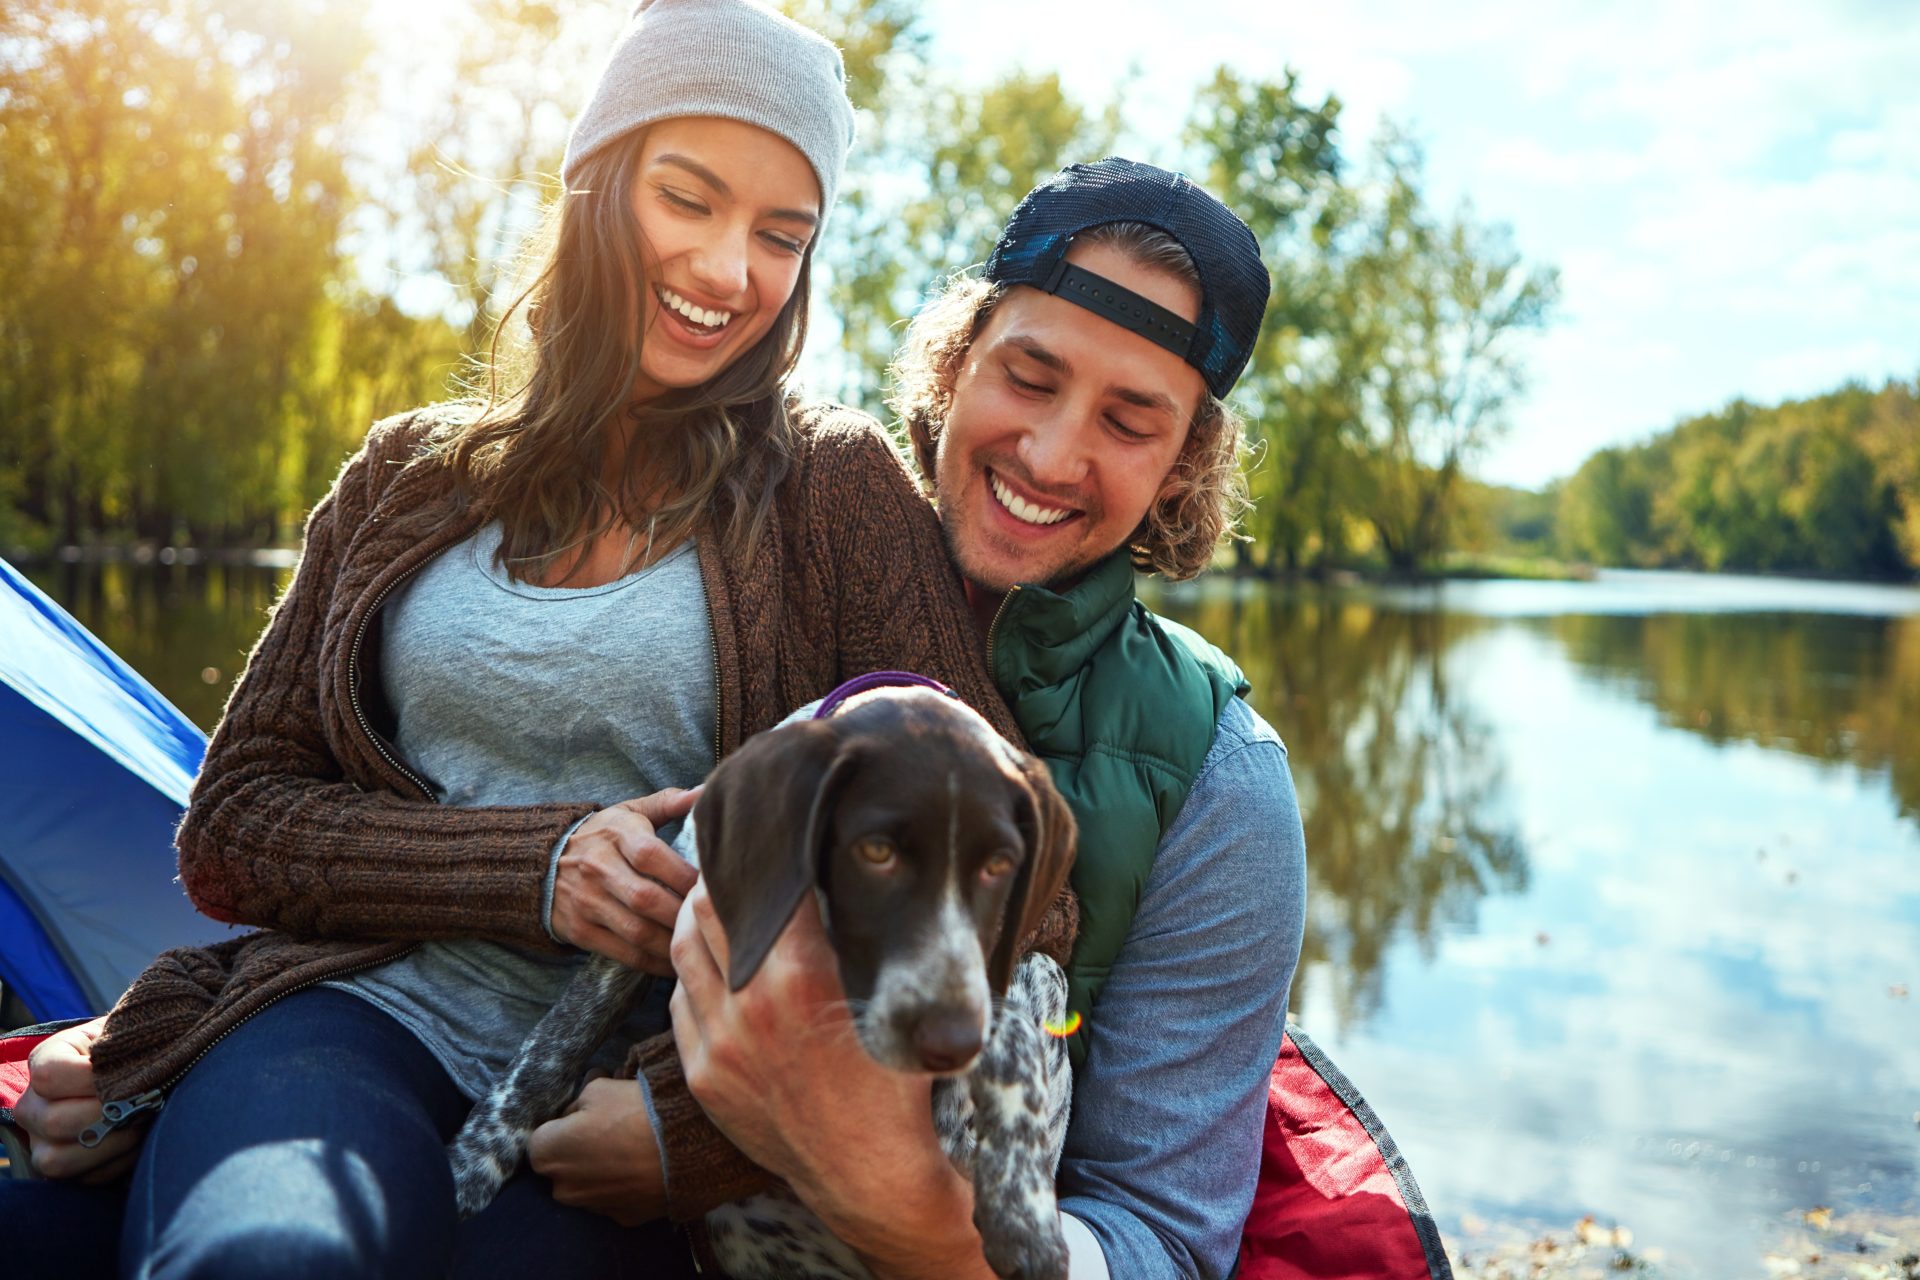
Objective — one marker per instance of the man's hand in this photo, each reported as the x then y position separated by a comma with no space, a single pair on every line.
602,1155
619,885
60,1102
779,1068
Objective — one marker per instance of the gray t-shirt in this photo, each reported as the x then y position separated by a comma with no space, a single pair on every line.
506,693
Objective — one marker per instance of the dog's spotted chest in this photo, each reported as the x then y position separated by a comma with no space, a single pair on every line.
1002,1124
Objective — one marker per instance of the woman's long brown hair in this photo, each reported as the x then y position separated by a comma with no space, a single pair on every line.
558,379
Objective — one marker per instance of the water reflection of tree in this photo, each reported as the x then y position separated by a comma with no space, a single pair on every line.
186,628
1833,687
1400,781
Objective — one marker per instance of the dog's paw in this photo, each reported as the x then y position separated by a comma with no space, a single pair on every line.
1034,1253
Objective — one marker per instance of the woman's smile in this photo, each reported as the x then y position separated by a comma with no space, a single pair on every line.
701,328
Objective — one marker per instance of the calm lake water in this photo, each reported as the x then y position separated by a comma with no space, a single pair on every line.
1615,901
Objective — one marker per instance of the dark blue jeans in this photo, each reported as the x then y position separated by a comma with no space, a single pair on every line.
311,1142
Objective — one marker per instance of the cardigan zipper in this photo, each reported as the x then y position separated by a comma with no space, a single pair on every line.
124,1111
719,698
713,643
353,688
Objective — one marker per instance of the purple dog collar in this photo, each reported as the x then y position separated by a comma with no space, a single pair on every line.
876,680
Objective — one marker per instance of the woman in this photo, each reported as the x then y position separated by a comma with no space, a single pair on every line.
503,625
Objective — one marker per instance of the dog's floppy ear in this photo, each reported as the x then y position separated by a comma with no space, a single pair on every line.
1047,823
760,823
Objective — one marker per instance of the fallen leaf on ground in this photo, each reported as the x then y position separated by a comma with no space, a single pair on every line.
1590,1233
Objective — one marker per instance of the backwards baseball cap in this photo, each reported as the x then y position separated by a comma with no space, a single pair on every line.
1233,281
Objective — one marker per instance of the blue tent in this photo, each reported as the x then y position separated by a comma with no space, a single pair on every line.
94,771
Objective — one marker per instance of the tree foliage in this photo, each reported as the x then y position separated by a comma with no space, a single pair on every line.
232,234
1828,485
1391,348
177,329
1436,308
1274,158
926,195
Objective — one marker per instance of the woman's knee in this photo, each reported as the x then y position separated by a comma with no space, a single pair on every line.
291,1210
309,1142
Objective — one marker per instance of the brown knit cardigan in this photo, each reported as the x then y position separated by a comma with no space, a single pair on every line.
305,822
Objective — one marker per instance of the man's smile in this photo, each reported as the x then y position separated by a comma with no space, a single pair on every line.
1029,512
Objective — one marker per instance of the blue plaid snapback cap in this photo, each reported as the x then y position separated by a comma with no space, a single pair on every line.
1233,281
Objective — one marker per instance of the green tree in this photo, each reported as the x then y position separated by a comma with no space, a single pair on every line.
1437,309
1841,513
1605,510
1823,485
1789,488
487,123
956,159
1273,157
859,276
176,202
1891,437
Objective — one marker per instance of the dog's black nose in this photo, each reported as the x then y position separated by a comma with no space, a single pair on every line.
946,1041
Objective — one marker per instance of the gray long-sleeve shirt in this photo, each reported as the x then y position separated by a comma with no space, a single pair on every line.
1163,1149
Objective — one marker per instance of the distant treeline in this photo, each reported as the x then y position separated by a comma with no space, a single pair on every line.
231,236
1829,485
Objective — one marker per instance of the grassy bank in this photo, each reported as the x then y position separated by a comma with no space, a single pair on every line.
1458,565
1470,564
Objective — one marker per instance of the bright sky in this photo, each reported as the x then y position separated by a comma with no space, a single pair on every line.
1730,188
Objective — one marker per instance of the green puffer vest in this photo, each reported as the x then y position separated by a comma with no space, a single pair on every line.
1122,705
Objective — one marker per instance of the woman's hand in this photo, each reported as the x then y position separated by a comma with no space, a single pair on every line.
602,1155
620,885
61,1101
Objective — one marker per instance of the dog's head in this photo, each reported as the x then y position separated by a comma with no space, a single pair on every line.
936,847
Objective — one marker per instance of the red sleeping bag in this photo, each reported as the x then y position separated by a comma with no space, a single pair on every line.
14,1048
1335,1198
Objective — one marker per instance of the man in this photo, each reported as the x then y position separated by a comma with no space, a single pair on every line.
1067,407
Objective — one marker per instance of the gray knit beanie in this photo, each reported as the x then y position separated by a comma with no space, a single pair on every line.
736,59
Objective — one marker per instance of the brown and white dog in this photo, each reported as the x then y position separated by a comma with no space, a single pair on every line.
936,849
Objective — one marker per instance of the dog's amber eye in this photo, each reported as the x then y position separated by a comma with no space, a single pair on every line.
999,864
875,850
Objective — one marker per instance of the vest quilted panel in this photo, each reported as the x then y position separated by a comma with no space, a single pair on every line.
1122,705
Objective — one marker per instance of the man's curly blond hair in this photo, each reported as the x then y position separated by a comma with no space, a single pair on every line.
1205,493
